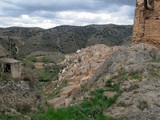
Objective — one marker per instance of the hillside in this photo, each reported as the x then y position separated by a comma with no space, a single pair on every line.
123,82
66,39
3,51
98,82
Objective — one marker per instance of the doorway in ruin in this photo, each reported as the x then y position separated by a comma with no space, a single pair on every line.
7,68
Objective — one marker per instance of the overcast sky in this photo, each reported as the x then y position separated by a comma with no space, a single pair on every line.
51,13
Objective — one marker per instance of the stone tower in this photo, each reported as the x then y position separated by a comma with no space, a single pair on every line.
147,22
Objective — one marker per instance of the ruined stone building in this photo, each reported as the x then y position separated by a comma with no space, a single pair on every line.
147,22
8,65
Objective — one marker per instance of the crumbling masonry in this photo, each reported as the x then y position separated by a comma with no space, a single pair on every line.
147,22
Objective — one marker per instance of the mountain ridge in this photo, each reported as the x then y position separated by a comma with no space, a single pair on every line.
65,38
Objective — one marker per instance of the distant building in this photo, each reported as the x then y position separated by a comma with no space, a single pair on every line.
9,65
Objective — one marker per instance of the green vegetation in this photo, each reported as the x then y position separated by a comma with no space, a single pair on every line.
88,109
45,59
10,117
155,58
57,91
84,89
124,75
29,59
5,76
49,73
11,46
44,74
143,105
23,108
111,86
155,73
132,87
136,75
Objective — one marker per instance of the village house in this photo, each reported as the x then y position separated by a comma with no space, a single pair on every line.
9,65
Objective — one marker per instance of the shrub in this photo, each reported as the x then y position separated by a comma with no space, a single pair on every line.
143,105
31,76
5,76
155,58
29,58
111,86
136,75
132,87
23,108
44,74
45,59
10,117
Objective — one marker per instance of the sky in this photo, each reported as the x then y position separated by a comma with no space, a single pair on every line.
51,13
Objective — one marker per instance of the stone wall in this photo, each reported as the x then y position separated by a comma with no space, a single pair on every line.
16,69
147,23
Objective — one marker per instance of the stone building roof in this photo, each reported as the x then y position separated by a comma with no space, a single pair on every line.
3,52
9,60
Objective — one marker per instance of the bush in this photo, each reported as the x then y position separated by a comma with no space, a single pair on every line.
44,74
45,59
10,117
5,76
30,75
29,59
23,108
143,105
136,75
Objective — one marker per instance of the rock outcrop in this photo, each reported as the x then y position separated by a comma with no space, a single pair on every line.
18,96
139,67
147,22
80,68
135,68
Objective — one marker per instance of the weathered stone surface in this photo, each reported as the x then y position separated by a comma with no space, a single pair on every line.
73,80
110,94
85,79
147,23
80,67
130,105
69,90
57,102
39,65
140,97
84,63
17,93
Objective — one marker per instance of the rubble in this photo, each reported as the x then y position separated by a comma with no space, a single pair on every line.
80,67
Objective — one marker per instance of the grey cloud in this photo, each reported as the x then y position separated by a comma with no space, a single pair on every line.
119,2
49,9
29,7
